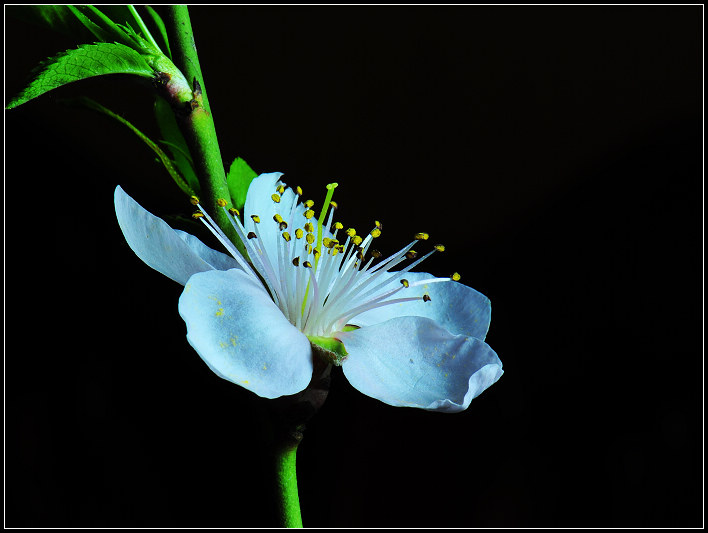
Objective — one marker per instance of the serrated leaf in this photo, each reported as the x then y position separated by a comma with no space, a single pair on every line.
86,61
175,141
161,29
238,179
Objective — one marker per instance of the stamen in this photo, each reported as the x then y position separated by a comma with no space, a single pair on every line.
256,219
298,190
411,254
299,233
234,212
376,232
286,235
251,235
404,282
455,277
277,218
421,236
197,215
296,261
439,247
426,298
221,202
194,200
309,203
283,226
309,214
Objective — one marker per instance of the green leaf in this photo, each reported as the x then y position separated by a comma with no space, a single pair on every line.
160,25
238,179
166,161
174,140
86,61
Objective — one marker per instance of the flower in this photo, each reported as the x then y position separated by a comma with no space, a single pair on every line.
405,338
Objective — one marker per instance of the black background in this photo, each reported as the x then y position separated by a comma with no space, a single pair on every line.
556,151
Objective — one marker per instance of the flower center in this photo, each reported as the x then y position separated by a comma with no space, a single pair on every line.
319,283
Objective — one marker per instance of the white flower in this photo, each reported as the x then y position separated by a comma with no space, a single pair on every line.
405,338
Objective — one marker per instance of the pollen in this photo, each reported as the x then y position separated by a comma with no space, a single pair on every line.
440,247
376,232
198,214
234,212
421,236
309,203
275,198
378,225
338,225
194,200
309,227
455,277
281,188
256,219
299,233
351,232
357,240
310,238
309,214
334,204
298,190
277,218
405,283
221,202
286,235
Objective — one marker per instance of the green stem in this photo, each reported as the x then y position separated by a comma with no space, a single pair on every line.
195,119
286,486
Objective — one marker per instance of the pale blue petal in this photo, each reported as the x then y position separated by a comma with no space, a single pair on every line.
454,306
158,245
218,260
414,362
242,335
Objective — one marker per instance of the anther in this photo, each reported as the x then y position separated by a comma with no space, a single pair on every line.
357,240
378,225
421,236
309,214
455,277
221,202
283,225
251,235
309,227
307,264
327,242
404,282
338,225
256,219
376,254
351,232
426,298
439,247
376,232
296,261
277,218
298,233
316,252
411,254
334,204
286,235
194,200
275,198
309,203
234,212
310,238
298,190
197,215
281,188
360,255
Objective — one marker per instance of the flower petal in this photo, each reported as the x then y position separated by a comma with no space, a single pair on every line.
456,307
242,335
218,260
161,247
413,362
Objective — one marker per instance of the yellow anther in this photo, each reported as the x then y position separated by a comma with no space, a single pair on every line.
340,247
309,227
404,282
286,235
251,235
309,203
298,190
299,233
277,218
316,253
309,214
376,232
310,238
360,255
439,247
334,204
376,254
275,198
256,219
338,225
281,188
296,261
198,214
351,232
455,277
334,251
327,242
421,236
378,224
426,298
307,264
234,212
308,248
411,254
221,202
357,240
283,225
